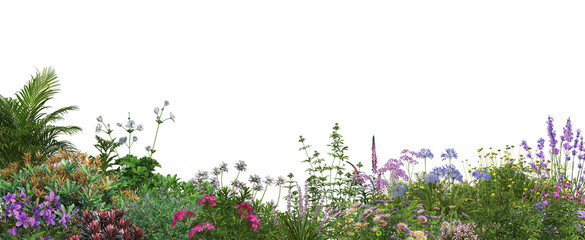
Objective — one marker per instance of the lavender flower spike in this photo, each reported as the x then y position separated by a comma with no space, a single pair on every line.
552,135
567,132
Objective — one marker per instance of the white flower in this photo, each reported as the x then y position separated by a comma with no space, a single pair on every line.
156,110
166,103
130,124
148,148
100,119
139,128
119,124
98,128
172,117
134,139
123,139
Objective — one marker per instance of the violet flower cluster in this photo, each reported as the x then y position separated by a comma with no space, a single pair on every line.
447,172
42,213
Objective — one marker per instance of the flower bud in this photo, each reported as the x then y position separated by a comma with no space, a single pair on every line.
156,110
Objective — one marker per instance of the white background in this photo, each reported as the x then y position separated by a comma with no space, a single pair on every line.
246,78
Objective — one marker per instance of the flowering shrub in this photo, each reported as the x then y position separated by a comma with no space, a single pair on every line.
210,217
25,219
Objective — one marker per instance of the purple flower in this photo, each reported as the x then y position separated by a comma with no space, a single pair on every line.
408,159
481,174
425,153
524,145
50,219
450,154
10,198
399,190
22,219
567,132
540,143
551,135
374,158
13,232
394,167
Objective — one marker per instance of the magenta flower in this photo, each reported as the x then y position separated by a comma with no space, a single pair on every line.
207,199
180,215
556,194
374,158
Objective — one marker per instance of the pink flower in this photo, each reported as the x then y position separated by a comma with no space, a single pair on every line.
208,225
556,195
207,199
247,210
180,215
197,228
545,202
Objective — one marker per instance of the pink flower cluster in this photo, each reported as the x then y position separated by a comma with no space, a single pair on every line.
180,215
207,199
199,228
245,211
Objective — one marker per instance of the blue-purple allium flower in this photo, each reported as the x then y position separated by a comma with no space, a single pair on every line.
374,158
481,174
449,154
425,153
399,190
449,172
433,176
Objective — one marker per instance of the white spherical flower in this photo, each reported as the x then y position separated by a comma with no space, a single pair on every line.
130,124
156,110
134,139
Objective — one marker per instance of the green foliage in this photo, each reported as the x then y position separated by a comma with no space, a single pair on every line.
27,127
67,174
134,171
339,185
295,228
154,211
107,149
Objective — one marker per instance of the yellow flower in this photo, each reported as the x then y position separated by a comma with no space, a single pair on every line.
493,194
510,186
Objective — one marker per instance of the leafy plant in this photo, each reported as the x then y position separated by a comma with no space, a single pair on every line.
106,225
154,209
26,127
68,174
